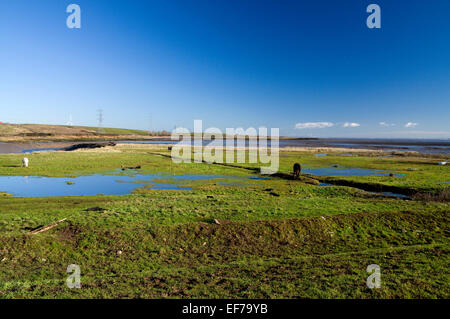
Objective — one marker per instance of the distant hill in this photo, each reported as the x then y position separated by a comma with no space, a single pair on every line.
43,131
27,132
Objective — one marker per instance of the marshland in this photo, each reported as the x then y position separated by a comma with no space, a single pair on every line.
141,226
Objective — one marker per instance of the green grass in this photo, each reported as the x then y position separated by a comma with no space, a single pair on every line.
54,164
114,131
61,130
420,174
307,242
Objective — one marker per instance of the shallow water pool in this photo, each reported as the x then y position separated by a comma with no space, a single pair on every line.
38,186
376,193
32,150
346,171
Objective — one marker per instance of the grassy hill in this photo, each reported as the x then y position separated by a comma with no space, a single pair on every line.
24,132
42,129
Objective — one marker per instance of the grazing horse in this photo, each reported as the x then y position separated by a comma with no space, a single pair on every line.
297,169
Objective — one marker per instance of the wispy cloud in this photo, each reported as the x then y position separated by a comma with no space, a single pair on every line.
385,124
411,124
348,124
300,126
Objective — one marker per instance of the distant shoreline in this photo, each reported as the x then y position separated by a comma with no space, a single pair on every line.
318,145
16,138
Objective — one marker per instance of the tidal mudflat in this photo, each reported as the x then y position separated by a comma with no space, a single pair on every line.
276,237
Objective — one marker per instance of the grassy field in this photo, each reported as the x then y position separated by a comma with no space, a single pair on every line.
259,238
41,132
13,129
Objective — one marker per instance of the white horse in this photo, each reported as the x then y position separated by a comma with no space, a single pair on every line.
25,162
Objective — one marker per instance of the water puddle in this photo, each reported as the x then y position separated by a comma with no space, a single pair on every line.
376,193
385,156
346,171
32,150
391,194
38,186
325,154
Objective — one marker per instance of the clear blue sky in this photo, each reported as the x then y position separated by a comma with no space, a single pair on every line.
231,64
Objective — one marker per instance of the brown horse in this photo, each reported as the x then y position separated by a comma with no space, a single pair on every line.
297,169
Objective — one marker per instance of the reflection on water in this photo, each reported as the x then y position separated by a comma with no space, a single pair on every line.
324,154
419,145
392,194
376,193
32,150
346,171
422,146
37,186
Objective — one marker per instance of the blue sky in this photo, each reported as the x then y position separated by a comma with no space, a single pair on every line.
233,63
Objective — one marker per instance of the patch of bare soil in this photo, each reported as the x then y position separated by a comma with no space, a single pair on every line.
70,234
443,196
